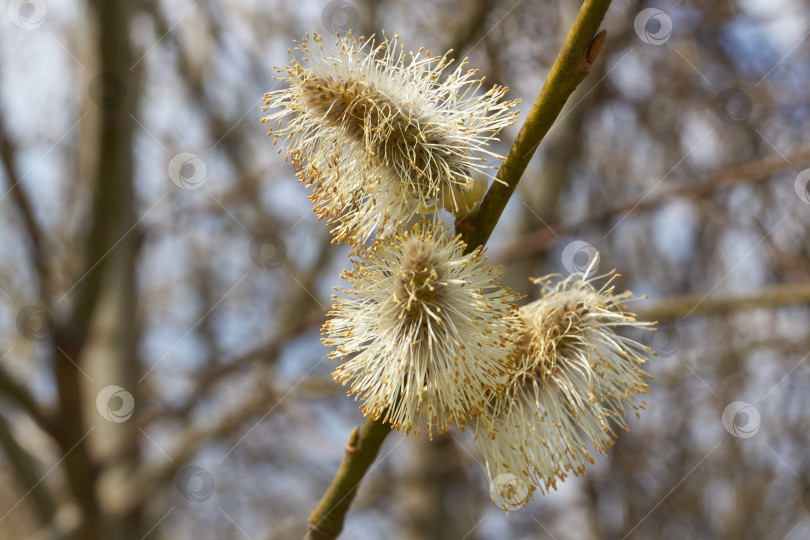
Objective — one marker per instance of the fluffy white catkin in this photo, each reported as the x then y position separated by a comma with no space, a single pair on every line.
426,334
576,376
382,134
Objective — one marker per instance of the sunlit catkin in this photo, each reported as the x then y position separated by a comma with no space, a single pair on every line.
381,134
575,379
426,334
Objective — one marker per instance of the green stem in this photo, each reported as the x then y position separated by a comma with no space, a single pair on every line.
573,63
326,521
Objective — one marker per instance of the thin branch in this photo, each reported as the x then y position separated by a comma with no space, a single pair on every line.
207,380
750,171
573,63
25,469
31,226
294,322
326,521
11,388
142,483
702,304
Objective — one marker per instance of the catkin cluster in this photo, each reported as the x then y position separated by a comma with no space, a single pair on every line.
427,337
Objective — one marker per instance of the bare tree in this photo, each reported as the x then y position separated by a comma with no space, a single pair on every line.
163,279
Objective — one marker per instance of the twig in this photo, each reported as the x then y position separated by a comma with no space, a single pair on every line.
25,469
29,221
573,63
12,389
701,304
142,483
750,171
326,521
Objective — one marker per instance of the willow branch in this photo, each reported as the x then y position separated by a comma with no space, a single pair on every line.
573,63
326,521
702,304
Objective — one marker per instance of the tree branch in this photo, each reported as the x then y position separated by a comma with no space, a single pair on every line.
326,521
702,304
141,485
30,224
573,63
12,389
750,171
25,469
110,221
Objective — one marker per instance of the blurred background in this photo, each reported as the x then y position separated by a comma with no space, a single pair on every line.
163,278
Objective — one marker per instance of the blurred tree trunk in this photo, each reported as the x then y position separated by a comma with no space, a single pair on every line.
109,352
432,476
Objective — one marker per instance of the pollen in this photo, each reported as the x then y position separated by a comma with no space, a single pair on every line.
419,281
